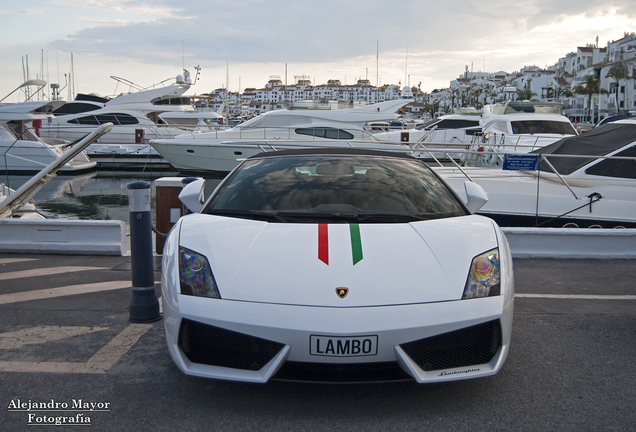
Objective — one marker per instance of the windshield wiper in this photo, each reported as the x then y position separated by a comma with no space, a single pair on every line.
356,217
390,217
247,214
307,217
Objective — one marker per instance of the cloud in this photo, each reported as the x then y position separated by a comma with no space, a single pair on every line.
334,38
22,12
150,10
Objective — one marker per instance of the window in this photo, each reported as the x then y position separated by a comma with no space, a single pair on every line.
502,126
542,126
115,118
620,168
330,133
75,108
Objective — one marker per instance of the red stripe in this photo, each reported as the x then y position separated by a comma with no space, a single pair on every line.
323,243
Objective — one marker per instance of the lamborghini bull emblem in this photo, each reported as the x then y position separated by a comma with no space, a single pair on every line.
342,292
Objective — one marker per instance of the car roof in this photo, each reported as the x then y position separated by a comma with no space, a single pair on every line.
333,151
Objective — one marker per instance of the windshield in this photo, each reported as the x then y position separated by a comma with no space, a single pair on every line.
335,188
450,123
543,127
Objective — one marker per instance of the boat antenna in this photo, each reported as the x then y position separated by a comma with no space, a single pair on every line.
406,65
196,75
377,64
71,88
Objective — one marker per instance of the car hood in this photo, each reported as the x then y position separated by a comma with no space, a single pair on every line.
289,263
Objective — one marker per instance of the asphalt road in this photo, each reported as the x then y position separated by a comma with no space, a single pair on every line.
570,368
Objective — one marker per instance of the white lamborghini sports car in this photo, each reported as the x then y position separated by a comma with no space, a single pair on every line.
336,265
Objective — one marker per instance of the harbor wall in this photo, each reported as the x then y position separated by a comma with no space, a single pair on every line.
572,243
109,237
61,236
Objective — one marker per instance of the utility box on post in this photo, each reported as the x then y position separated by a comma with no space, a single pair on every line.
168,207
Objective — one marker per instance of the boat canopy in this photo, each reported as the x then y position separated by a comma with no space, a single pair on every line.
527,107
467,111
599,141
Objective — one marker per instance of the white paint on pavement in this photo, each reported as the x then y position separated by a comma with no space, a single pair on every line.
45,272
42,334
15,260
578,296
63,291
101,362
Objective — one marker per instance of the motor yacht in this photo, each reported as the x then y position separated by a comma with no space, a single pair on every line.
19,203
22,150
585,180
459,127
137,117
220,150
517,127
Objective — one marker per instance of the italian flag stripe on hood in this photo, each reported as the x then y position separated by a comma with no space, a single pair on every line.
323,243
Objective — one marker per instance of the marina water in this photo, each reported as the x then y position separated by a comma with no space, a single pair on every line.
98,195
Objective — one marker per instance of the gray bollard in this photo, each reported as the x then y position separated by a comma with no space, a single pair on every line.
144,304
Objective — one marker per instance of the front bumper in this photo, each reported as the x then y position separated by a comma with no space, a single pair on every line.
256,342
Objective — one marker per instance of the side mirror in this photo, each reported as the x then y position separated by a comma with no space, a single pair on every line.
476,196
192,195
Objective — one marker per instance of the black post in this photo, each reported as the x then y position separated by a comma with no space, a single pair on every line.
144,304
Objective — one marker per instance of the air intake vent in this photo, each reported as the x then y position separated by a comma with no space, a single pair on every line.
342,373
466,347
215,346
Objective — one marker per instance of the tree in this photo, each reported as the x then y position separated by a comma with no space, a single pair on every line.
454,95
591,87
562,92
618,72
525,94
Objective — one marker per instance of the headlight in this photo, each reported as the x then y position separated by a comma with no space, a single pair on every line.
483,279
195,275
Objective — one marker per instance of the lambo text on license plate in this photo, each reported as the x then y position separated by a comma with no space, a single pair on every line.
343,346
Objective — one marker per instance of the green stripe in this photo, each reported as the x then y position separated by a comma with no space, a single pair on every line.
356,243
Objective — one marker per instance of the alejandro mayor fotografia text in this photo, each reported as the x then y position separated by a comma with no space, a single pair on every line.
66,412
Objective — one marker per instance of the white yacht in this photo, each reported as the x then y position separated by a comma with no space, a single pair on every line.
19,203
518,127
594,186
137,117
457,128
220,150
21,148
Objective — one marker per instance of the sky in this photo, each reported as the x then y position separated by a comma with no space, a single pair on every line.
243,43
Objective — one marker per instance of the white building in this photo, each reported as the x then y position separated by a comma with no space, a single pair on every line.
476,88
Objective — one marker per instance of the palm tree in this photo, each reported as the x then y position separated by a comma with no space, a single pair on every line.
618,72
463,98
562,92
591,87
454,95
525,94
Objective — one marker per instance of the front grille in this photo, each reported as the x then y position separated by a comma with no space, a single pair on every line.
466,347
341,372
214,346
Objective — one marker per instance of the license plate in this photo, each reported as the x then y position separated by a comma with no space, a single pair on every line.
343,346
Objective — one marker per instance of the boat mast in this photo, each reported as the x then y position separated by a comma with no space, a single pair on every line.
377,71
71,88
